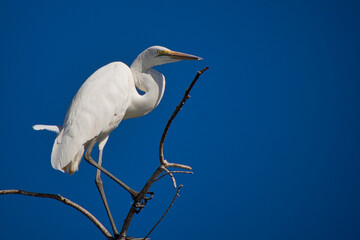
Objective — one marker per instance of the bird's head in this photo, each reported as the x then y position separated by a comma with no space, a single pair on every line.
157,55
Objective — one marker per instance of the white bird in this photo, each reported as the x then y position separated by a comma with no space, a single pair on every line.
106,98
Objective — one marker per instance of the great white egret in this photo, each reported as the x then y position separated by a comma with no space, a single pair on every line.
106,98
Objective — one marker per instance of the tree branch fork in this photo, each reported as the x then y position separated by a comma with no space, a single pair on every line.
141,198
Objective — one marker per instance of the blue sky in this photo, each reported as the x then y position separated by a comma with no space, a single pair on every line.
271,131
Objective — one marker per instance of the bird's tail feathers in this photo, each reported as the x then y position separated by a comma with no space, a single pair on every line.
73,166
67,153
52,128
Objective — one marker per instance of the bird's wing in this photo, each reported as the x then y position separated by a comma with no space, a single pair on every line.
97,108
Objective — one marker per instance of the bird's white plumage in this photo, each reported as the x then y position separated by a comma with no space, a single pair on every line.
97,108
52,128
106,98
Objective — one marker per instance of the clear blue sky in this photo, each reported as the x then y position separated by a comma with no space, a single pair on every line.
272,129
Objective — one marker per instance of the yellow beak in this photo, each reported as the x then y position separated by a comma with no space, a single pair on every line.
182,56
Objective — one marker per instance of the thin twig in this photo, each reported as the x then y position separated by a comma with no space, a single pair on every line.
167,210
65,201
178,108
176,165
187,172
171,176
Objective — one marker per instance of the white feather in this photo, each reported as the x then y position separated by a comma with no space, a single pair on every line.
97,108
52,128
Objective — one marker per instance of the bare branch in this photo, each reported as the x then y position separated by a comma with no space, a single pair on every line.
65,201
178,108
170,172
138,199
171,176
167,210
176,165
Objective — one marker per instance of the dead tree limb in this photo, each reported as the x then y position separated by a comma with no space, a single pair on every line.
65,201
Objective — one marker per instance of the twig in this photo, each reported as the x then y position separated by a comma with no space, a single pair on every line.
176,165
170,172
65,201
178,108
167,210
171,176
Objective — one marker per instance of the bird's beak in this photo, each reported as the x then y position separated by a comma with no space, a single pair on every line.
182,56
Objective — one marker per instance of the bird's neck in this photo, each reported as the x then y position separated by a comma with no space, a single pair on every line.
152,83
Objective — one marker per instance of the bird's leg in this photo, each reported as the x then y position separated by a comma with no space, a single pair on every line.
99,185
90,160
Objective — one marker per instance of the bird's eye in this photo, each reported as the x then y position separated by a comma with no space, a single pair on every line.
160,52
